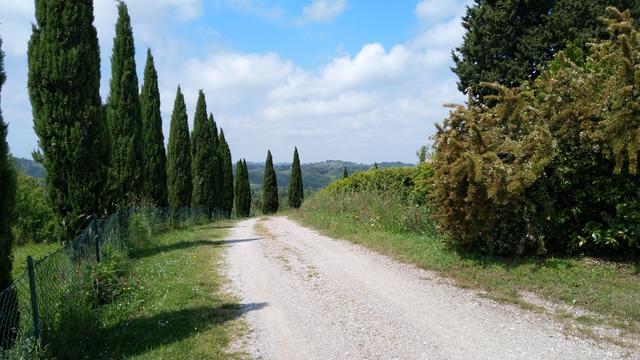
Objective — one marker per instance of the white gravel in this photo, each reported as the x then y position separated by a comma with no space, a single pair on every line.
308,296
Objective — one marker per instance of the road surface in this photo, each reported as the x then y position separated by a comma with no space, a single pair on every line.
308,296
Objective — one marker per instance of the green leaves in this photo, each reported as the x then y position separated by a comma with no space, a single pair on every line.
296,188
179,180
545,167
269,188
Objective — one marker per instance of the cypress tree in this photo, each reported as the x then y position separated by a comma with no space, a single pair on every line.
269,188
64,88
155,157
226,175
246,190
215,141
242,191
203,158
124,114
7,202
345,174
179,184
296,188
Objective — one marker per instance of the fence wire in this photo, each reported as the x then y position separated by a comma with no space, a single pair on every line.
40,299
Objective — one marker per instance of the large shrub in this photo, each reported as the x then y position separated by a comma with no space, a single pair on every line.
552,166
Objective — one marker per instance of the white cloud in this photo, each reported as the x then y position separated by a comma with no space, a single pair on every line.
439,10
323,10
377,104
251,7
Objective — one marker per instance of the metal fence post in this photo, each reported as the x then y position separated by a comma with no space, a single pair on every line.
34,297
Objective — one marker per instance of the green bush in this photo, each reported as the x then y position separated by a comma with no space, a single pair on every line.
35,221
409,184
552,165
140,229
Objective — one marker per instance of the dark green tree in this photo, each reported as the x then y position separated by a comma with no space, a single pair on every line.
226,175
204,159
242,191
296,188
64,88
179,182
269,188
507,41
345,174
8,313
155,157
246,190
215,141
124,115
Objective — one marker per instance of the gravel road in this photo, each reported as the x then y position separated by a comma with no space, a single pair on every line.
307,296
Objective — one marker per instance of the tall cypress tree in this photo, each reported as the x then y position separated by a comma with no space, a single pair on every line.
269,188
179,182
240,191
155,157
296,188
124,114
64,88
226,175
7,203
345,173
217,185
246,190
204,158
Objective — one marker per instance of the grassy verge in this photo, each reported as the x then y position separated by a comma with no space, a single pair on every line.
610,291
172,306
37,251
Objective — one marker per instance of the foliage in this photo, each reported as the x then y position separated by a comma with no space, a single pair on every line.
34,220
525,34
345,173
203,156
124,115
110,277
140,230
155,157
270,188
296,188
215,144
64,88
7,204
179,182
410,184
551,166
226,175
242,190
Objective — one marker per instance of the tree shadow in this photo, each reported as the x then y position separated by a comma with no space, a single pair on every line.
133,337
181,245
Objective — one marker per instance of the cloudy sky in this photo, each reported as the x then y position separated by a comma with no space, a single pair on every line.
356,80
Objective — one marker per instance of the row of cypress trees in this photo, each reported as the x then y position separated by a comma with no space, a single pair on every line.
270,198
98,157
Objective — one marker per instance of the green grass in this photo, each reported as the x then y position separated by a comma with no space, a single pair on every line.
37,251
173,306
609,289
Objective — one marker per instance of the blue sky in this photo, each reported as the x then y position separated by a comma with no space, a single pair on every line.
342,79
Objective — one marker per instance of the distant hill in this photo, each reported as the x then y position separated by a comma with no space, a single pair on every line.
30,167
314,175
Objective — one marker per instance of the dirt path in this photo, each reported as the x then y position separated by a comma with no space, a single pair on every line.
326,299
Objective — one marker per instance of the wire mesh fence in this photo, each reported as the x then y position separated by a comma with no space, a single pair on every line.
43,299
